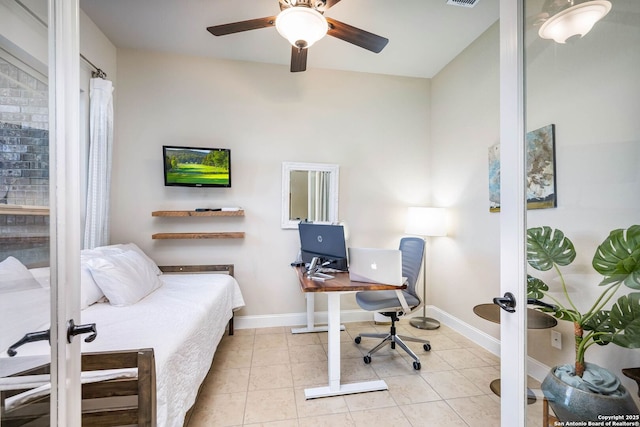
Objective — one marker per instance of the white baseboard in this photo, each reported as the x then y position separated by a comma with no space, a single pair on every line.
297,319
483,339
535,369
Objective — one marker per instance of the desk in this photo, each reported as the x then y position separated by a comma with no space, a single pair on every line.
334,288
311,311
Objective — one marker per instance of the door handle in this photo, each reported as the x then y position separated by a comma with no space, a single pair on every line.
73,330
27,338
507,302
535,301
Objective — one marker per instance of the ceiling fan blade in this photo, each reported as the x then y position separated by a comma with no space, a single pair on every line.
237,27
353,35
330,3
298,59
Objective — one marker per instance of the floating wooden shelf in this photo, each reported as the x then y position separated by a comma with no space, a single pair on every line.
194,213
221,235
199,235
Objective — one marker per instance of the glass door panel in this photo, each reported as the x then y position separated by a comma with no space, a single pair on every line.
25,291
583,151
38,181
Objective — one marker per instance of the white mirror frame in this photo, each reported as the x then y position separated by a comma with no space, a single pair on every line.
334,173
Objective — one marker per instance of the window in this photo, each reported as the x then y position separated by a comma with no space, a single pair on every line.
24,162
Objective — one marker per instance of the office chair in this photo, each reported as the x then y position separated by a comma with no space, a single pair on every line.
397,303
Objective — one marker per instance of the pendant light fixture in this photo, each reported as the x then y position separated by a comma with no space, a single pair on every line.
301,25
577,19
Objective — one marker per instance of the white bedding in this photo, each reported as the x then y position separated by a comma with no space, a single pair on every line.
183,321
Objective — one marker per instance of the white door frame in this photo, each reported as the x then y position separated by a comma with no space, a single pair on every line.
513,328
64,151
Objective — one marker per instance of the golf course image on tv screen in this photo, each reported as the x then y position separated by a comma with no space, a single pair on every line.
197,167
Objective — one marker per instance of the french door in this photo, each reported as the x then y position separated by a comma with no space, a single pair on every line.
513,326
46,107
64,83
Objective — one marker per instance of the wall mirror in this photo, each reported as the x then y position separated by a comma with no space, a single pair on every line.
309,191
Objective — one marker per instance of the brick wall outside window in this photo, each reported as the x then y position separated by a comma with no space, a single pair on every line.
24,163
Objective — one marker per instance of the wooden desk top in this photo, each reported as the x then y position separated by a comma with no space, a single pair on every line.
340,283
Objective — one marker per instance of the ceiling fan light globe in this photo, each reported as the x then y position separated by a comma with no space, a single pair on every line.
301,26
575,20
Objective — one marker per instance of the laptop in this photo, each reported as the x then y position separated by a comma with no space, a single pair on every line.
373,265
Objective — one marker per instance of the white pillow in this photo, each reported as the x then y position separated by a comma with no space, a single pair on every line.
14,276
125,278
42,276
90,292
130,247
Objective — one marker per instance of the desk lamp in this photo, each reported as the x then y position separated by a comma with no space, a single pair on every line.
425,222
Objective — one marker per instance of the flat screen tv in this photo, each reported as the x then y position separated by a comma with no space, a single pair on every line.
197,167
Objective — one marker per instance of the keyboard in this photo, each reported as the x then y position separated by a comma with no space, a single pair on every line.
329,270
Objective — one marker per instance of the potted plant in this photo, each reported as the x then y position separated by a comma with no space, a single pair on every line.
583,391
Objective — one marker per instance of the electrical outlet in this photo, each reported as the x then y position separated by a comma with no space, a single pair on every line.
556,340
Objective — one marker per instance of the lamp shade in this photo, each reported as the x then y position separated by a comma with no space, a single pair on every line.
423,221
575,20
302,26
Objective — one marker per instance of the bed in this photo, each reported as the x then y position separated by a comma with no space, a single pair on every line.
181,317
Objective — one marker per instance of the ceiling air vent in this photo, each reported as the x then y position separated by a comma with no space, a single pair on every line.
463,3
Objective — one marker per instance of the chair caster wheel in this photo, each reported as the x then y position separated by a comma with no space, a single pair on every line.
416,366
427,347
367,359
357,340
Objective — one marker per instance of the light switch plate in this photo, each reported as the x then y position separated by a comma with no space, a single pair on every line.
556,340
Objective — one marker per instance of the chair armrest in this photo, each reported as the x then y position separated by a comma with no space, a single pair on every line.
403,302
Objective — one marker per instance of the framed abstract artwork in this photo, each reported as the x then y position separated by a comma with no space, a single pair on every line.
541,170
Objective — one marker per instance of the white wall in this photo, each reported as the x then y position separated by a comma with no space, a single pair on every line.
465,122
375,127
97,48
589,90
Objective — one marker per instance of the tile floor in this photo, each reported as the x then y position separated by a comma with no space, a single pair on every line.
258,378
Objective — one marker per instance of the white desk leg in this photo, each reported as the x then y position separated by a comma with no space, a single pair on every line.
310,296
333,315
335,388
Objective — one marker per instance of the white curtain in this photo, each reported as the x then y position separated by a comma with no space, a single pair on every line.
96,229
320,195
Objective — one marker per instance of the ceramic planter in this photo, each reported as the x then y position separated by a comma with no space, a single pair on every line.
572,404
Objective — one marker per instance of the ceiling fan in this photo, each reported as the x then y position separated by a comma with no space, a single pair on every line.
302,22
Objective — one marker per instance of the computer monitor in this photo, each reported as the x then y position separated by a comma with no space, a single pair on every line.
325,241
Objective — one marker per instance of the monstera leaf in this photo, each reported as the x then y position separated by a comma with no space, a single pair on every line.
625,320
536,287
600,322
546,247
618,257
